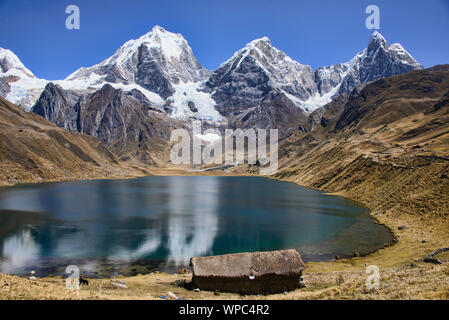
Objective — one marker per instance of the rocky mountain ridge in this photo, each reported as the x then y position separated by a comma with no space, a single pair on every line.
125,121
153,84
163,67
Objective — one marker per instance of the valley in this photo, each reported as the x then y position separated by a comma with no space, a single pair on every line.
374,130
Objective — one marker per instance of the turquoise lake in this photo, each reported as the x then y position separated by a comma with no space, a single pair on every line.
134,226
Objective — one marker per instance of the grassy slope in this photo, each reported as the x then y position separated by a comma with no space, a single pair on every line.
392,155
33,150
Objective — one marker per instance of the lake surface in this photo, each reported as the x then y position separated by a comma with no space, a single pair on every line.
135,226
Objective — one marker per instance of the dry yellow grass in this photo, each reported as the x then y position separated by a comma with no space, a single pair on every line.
421,207
403,275
423,281
342,279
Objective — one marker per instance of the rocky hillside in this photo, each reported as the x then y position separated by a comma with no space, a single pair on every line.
32,149
245,86
252,85
395,120
157,62
125,121
387,146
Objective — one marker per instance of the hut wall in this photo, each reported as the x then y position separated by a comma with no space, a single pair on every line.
244,285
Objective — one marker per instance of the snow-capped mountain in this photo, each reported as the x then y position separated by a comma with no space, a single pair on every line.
259,68
379,60
161,66
125,121
157,55
255,70
17,83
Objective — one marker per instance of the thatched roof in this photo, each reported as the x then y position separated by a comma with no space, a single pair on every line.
284,262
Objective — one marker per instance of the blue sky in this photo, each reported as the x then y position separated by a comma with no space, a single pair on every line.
315,32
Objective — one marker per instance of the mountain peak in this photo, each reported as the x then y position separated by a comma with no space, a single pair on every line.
22,86
170,45
377,36
258,41
158,28
10,62
377,40
159,32
156,64
395,52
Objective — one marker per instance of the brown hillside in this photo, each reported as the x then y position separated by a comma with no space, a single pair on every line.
387,146
32,149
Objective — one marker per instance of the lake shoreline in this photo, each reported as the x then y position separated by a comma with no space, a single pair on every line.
395,259
340,227
185,172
